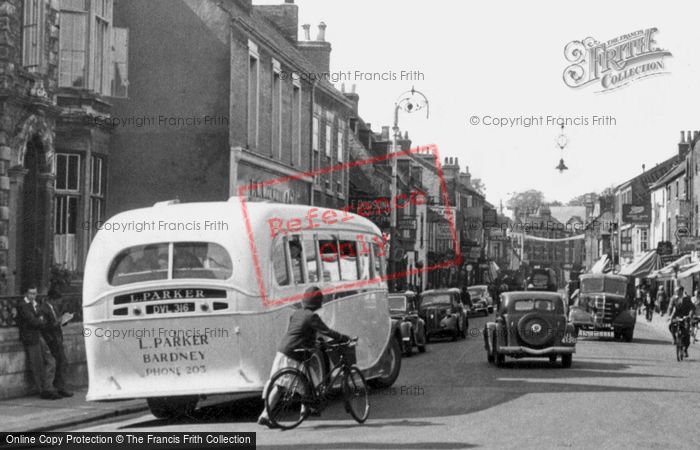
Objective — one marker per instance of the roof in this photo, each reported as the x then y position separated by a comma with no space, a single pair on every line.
586,276
652,175
441,291
565,213
524,295
669,176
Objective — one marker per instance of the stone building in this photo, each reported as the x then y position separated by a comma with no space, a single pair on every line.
56,88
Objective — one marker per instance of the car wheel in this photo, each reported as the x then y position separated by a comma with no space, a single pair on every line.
498,357
566,360
464,329
552,358
576,330
392,362
490,310
617,334
628,334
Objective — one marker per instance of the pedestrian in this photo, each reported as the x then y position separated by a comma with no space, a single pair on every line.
53,336
639,298
31,322
662,300
650,305
466,297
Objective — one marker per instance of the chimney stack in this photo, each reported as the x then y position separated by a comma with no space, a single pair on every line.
307,33
318,52
684,144
285,17
385,134
321,37
354,99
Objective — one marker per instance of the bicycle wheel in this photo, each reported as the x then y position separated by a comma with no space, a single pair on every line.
293,391
355,394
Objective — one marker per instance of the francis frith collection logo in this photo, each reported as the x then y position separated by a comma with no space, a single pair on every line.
616,62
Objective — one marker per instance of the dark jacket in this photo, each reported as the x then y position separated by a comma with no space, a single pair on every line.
52,331
683,308
302,332
30,322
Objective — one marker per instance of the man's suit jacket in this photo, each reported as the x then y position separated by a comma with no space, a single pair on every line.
30,322
52,331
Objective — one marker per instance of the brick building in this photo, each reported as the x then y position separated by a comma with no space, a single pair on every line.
235,101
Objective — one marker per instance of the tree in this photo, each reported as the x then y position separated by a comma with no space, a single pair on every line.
555,203
478,186
525,202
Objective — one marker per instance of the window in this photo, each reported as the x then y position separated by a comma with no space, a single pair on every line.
97,188
364,259
330,258
279,263
276,108
253,94
644,239
67,172
340,145
120,60
73,44
296,258
201,260
329,140
316,164
311,261
378,255
66,210
296,120
677,187
348,261
33,33
99,82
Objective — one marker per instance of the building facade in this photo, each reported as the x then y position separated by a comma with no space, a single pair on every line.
239,109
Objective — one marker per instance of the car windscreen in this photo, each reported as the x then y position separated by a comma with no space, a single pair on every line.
153,262
397,303
609,285
476,292
540,280
533,305
436,300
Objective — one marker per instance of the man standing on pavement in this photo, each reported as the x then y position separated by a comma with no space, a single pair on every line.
53,335
649,305
32,322
662,300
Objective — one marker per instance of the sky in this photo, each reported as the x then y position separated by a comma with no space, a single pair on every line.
506,59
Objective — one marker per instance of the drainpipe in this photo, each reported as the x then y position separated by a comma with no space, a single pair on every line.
312,108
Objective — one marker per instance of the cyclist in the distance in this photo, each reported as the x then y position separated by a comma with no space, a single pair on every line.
684,307
304,327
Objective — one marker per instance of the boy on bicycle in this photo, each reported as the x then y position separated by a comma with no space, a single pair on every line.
304,325
684,307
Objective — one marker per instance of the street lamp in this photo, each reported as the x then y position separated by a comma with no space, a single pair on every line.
410,102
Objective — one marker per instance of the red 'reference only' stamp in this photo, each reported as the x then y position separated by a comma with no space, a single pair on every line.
315,218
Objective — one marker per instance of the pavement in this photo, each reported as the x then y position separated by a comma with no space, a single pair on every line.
36,414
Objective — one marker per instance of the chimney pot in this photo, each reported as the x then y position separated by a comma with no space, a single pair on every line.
307,31
446,160
321,32
695,135
342,88
682,137
689,137
457,161
354,86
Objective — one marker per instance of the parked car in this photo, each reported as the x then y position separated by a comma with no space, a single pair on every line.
443,313
530,324
403,308
481,299
604,303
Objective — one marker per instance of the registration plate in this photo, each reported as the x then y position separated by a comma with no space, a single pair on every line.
170,308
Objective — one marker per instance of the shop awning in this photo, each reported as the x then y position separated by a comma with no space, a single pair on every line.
689,270
667,272
643,266
602,265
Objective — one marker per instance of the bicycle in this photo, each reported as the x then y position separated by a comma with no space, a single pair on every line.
299,398
681,336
